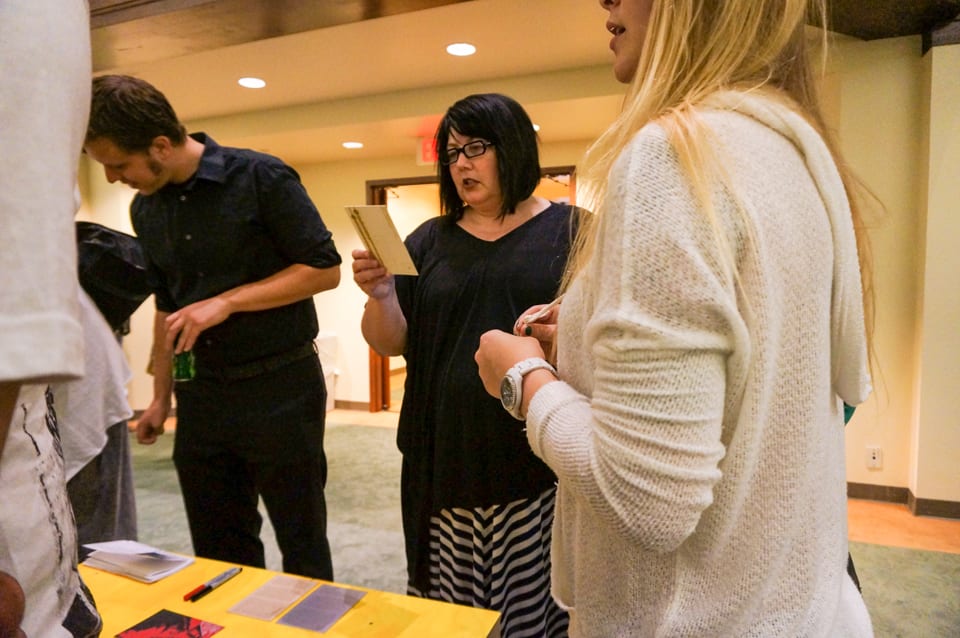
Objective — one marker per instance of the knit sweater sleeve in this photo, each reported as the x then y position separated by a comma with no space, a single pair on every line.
634,428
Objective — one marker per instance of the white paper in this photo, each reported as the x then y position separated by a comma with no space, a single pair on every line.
141,562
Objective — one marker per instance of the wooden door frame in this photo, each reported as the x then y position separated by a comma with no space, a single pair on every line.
379,369
377,194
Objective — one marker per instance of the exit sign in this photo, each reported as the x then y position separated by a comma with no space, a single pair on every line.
427,151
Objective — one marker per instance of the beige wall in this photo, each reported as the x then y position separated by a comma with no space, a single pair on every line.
880,97
937,440
899,122
333,186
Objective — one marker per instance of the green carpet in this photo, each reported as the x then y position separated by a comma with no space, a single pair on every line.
363,511
910,593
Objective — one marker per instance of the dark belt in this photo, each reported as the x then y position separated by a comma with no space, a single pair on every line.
266,364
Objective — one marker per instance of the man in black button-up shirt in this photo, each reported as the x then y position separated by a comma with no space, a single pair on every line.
236,250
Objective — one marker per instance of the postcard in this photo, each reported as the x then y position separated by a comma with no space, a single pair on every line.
381,238
169,624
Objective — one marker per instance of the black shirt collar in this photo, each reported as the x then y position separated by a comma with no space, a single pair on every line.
212,165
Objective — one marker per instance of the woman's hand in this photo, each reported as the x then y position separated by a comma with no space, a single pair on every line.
543,328
370,275
498,352
383,324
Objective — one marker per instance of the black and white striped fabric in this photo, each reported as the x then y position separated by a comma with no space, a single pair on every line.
498,558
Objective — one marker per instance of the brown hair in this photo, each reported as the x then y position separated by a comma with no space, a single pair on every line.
131,113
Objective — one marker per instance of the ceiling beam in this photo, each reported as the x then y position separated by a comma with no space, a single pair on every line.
877,19
128,32
942,35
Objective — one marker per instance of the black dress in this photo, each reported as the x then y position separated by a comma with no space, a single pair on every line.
460,447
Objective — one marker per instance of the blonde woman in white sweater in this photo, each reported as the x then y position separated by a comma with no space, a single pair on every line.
712,327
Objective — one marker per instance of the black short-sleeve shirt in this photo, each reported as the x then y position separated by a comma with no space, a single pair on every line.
477,454
242,217
460,447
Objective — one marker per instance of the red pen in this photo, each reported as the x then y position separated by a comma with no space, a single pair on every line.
193,592
210,585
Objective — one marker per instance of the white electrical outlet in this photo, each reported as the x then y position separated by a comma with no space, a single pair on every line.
874,457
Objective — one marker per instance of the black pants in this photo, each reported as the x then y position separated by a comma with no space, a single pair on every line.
102,493
256,437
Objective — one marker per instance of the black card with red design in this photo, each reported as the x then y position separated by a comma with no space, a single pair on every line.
169,624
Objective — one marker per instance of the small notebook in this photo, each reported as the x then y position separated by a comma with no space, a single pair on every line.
381,238
135,560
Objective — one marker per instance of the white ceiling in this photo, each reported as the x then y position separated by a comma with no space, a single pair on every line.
364,80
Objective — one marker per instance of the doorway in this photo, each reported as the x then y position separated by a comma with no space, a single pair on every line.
411,201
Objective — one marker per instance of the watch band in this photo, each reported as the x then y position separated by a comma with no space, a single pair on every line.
533,363
511,387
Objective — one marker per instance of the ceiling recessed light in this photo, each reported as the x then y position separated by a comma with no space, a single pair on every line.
461,49
536,127
251,83
353,145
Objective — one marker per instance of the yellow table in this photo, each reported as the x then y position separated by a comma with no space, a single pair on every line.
124,602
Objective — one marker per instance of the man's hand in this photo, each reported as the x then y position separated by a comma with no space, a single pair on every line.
150,425
190,321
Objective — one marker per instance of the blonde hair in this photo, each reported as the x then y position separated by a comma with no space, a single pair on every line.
692,49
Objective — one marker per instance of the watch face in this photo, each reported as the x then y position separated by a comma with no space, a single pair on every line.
508,394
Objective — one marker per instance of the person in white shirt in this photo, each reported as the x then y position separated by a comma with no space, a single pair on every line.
92,413
43,116
713,318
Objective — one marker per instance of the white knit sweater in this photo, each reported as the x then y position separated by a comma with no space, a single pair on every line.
697,432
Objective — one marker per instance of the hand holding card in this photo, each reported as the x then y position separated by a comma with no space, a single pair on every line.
381,238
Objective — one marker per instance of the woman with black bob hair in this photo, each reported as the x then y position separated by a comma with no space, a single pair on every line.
503,124
477,504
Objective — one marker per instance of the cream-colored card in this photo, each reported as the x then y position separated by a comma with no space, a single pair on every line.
381,238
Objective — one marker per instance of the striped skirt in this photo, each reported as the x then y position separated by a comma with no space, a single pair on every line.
498,558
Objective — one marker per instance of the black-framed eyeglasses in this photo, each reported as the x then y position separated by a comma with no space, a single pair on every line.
469,150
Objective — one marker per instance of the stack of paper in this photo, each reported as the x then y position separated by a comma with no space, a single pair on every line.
135,560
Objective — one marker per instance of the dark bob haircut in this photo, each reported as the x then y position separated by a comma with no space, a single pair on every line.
501,121
131,113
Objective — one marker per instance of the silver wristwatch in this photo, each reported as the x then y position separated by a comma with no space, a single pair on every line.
511,387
